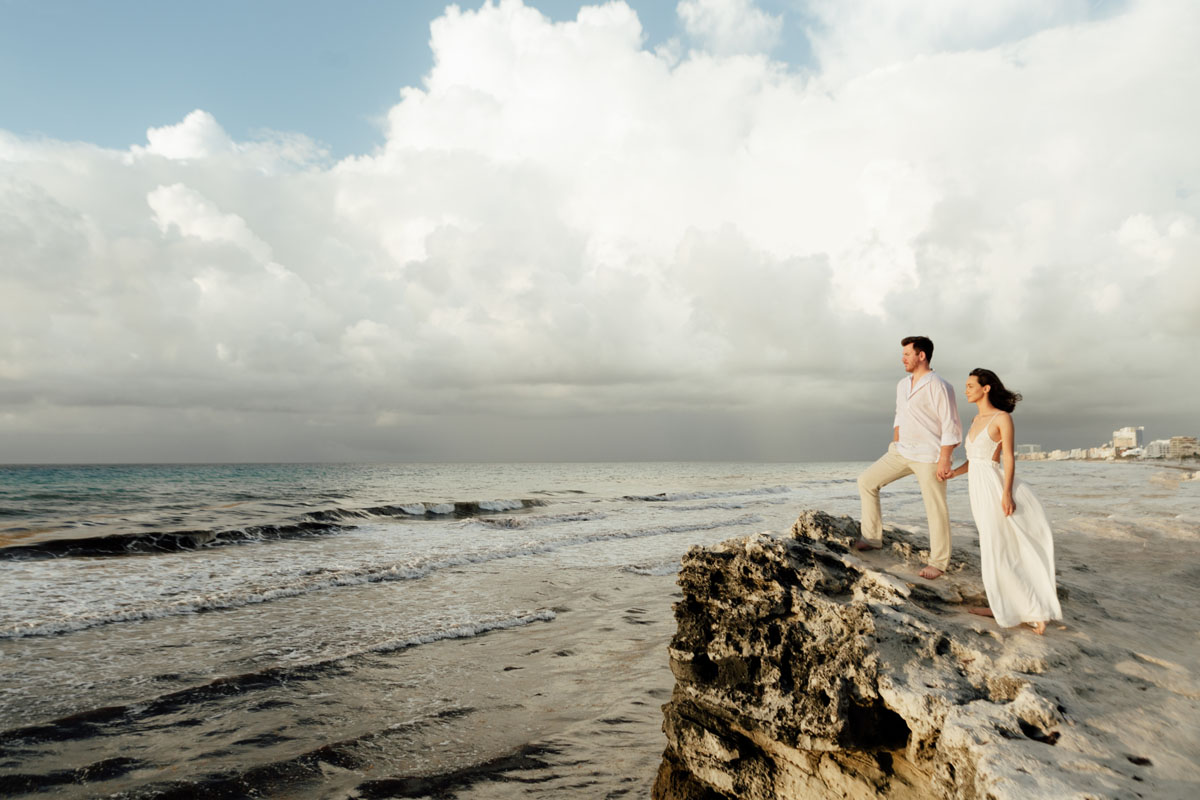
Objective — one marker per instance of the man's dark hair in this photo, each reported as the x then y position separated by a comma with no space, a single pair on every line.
921,343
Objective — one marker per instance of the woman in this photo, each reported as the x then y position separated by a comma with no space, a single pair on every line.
1016,546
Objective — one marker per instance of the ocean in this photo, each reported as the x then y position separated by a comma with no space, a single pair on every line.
436,630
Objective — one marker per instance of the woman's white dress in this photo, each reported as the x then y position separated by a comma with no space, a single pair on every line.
1016,552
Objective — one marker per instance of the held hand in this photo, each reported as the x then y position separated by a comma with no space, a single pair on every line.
1007,504
944,472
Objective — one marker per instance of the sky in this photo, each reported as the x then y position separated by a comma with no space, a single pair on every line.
555,230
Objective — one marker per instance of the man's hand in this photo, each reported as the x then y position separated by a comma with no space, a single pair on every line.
945,470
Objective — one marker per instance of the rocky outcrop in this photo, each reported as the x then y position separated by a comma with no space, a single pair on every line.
807,670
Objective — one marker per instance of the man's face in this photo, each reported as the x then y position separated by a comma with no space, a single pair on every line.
912,358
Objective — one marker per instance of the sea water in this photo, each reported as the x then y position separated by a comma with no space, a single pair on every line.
302,630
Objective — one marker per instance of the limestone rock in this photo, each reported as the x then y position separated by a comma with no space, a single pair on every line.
805,669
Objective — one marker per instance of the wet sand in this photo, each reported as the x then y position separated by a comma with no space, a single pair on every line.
571,708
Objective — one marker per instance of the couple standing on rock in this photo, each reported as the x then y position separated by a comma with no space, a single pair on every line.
1016,545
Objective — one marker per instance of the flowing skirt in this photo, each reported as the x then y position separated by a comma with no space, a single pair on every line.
1017,552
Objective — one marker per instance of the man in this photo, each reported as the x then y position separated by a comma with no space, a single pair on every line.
924,434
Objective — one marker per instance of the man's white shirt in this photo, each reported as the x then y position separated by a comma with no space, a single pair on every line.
927,416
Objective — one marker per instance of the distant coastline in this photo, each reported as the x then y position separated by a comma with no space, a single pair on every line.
1194,468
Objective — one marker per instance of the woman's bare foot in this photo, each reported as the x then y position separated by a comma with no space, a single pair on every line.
929,573
1038,627
981,612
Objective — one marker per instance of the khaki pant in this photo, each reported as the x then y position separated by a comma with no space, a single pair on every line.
894,466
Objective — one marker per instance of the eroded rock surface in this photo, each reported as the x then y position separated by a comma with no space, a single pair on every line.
807,670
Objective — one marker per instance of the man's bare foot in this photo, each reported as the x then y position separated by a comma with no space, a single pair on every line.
930,572
863,544
981,612
1038,627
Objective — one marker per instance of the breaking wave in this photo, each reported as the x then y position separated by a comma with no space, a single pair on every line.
321,580
312,523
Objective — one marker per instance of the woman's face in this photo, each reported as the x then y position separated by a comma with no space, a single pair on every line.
974,390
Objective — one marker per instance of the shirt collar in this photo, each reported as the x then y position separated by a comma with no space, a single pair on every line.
928,376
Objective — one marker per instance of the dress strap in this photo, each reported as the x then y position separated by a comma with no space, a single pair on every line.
989,416
985,427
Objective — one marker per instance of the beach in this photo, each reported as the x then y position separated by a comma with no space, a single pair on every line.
482,631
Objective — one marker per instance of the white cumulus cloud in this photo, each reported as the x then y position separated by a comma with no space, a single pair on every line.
567,231
191,214
730,27
197,136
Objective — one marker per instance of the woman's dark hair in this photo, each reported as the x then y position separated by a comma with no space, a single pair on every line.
1000,397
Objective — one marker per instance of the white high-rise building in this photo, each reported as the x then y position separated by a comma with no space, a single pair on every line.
1158,448
1128,437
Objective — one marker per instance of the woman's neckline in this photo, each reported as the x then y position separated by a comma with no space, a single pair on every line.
985,427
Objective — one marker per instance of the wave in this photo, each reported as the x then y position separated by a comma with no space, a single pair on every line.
123,544
541,520
669,497
460,510
324,579
730,505
308,772
665,568
311,523
12,511
86,723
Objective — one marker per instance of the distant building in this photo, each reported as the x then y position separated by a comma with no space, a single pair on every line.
1158,448
1128,437
1121,446
1182,447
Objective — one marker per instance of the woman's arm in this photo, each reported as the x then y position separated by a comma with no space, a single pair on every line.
1009,460
961,469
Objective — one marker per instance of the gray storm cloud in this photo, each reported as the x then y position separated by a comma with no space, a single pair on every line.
569,246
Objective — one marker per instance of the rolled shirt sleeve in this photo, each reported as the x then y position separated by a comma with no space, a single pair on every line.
951,426
901,401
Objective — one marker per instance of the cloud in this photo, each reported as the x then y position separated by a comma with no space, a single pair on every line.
730,27
191,214
854,37
565,226
197,136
